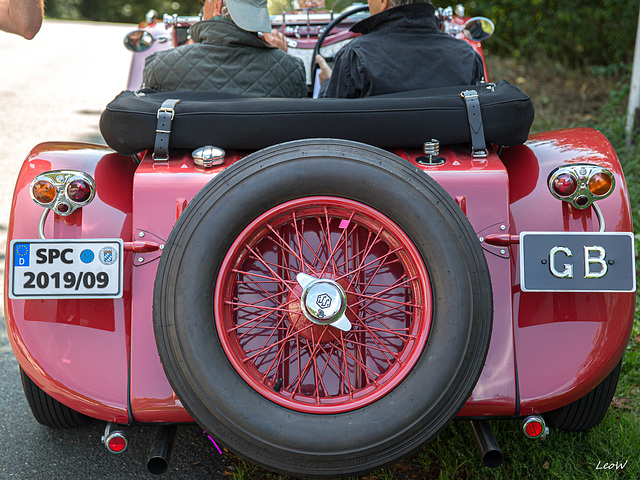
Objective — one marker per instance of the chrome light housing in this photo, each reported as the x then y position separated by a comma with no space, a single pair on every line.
63,191
581,184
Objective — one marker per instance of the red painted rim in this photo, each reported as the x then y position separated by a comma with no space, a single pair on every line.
318,368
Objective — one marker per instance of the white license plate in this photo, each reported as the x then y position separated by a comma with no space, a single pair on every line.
66,268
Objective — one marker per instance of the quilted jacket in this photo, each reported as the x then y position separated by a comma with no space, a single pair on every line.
227,59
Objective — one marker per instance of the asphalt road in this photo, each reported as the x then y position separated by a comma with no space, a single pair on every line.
53,88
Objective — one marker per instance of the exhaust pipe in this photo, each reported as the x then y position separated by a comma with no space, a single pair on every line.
486,443
158,462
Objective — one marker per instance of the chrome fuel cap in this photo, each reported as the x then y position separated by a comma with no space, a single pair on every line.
208,156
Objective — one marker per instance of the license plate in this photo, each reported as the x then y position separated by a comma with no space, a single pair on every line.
577,262
66,268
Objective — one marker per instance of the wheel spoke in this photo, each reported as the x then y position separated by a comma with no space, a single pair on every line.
356,355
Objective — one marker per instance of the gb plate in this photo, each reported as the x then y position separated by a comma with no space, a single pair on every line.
577,262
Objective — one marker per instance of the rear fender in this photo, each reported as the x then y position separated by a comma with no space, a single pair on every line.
566,343
79,354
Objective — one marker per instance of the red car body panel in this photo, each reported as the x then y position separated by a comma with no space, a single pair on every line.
99,357
566,343
76,350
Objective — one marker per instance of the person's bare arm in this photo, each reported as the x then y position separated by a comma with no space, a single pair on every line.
22,17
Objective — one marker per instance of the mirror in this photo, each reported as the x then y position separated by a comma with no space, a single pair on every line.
478,29
138,41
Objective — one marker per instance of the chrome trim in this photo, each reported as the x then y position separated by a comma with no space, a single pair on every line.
208,156
431,154
61,179
43,219
175,19
323,301
582,173
600,217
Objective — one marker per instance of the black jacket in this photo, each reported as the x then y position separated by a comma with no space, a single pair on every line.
401,49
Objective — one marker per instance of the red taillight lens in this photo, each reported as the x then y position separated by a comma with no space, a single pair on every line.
565,184
116,443
44,192
534,429
600,184
581,184
79,191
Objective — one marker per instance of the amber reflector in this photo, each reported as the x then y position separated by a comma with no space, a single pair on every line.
44,192
600,184
565,184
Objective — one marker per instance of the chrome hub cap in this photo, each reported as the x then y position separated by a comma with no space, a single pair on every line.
323,301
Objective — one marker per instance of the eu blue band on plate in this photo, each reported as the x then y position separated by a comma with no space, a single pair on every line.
21,255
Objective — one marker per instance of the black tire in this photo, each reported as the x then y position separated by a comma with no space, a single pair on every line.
288,440
47,410
588,411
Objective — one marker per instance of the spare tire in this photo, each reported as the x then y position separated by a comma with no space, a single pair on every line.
358,361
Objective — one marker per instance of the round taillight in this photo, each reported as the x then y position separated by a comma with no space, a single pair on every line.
534,429
116,443
44,192
79,191
600,184
582,201
564,184
62,208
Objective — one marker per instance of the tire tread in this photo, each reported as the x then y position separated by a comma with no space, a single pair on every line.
47,410
588,411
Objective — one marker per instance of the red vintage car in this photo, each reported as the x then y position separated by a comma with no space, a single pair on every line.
325,295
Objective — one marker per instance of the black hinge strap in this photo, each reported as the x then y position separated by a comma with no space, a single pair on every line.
478,144
163,130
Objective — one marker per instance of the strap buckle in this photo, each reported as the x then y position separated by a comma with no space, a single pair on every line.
168,109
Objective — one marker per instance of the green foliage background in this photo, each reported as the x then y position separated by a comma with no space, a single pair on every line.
575,33
122,11
578,32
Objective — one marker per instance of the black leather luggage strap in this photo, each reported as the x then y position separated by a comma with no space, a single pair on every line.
163,130
478,144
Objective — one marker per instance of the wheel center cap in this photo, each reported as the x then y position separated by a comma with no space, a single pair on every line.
323,301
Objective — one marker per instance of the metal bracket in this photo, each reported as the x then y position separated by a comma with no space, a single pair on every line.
142,258
495,239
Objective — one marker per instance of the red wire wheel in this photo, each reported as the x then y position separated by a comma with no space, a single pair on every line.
318,368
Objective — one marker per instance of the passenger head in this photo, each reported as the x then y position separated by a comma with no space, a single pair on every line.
397,3
250,15
377,6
